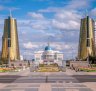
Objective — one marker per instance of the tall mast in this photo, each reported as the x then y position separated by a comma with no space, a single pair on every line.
48,42
10,12
86,12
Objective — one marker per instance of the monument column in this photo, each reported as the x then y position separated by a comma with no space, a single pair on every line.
10,32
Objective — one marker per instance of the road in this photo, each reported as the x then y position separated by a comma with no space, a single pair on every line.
56,81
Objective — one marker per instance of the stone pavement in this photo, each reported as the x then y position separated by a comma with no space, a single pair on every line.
56,81
45,87
91,85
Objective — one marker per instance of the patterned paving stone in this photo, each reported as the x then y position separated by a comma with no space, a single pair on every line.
68,85
32,82
20,89
31,89
58,89
11,86
71,89
5,90
17,90
85,89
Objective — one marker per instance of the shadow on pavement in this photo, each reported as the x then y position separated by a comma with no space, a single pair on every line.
9,78
85,78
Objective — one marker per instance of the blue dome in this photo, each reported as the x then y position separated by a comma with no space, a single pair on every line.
47,48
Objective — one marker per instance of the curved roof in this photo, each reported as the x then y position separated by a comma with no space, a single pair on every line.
48,48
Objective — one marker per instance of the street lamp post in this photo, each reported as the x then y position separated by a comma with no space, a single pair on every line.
46,75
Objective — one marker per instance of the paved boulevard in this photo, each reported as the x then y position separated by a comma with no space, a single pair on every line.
60,81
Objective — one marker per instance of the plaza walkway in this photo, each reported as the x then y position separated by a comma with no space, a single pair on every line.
57,81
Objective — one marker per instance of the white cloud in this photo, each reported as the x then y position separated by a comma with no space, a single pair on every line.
40,24
77,4
67,15
60,46
27,53
70,25
93,12
71,5
8,8
36,15
66,20
29,45
1,7
50,9
34,24
1,21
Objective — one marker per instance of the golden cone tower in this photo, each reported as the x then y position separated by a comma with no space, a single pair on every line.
10,40
87,38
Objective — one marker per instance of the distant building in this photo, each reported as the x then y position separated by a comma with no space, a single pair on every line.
49,56
21,57
10,44
86,38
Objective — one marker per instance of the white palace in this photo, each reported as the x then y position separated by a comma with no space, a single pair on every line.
48,56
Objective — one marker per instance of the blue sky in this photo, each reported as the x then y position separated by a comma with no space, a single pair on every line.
40,20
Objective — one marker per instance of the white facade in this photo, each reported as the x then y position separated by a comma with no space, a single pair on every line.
21,57
48,56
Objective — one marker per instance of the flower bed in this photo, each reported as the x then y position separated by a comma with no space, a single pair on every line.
87,69
6,69
48,69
